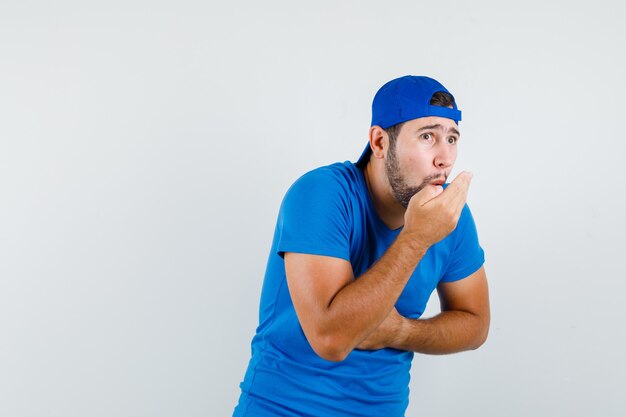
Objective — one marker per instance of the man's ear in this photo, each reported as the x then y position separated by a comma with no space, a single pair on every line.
379,140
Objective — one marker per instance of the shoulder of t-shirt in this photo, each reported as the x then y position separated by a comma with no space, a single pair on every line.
461,229
340,177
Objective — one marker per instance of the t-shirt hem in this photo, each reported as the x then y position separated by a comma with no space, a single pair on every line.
307,248
464,273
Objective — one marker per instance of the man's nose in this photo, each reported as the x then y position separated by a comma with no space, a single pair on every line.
444,156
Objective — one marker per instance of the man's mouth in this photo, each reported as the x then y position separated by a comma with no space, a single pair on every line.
439,179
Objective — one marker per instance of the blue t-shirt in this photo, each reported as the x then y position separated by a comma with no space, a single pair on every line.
328,211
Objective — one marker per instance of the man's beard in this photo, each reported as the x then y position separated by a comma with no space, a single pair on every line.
401,191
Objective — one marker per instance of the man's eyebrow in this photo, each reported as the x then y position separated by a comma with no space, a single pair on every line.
438,126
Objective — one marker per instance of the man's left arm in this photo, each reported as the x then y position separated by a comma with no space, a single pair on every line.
463,323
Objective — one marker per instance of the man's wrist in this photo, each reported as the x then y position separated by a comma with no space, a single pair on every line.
414,241
400,332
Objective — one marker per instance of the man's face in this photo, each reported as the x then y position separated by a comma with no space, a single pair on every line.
424,153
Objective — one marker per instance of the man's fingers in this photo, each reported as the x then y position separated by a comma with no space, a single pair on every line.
427,193
456,193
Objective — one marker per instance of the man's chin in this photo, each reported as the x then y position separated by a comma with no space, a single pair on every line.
404,198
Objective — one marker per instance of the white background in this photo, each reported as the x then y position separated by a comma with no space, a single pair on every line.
145,148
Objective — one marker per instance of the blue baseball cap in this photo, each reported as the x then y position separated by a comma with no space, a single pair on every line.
407,98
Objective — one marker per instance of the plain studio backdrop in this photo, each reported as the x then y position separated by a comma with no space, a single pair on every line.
145,148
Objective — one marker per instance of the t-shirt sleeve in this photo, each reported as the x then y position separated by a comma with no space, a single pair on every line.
467,256
313,217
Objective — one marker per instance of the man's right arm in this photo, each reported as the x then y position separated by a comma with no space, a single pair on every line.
337,311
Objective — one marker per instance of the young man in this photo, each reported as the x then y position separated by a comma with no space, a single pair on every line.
357,251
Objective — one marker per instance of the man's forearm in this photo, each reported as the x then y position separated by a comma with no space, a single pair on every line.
366,302
448,332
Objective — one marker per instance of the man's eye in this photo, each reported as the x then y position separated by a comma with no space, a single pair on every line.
427,136
452,140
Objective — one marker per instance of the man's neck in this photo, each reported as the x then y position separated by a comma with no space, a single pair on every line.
387,207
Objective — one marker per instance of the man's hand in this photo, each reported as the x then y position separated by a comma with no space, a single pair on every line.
433,213
387,334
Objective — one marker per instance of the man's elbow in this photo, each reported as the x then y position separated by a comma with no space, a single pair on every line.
481,338
330,348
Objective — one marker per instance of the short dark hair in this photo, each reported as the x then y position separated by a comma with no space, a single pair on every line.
440,98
